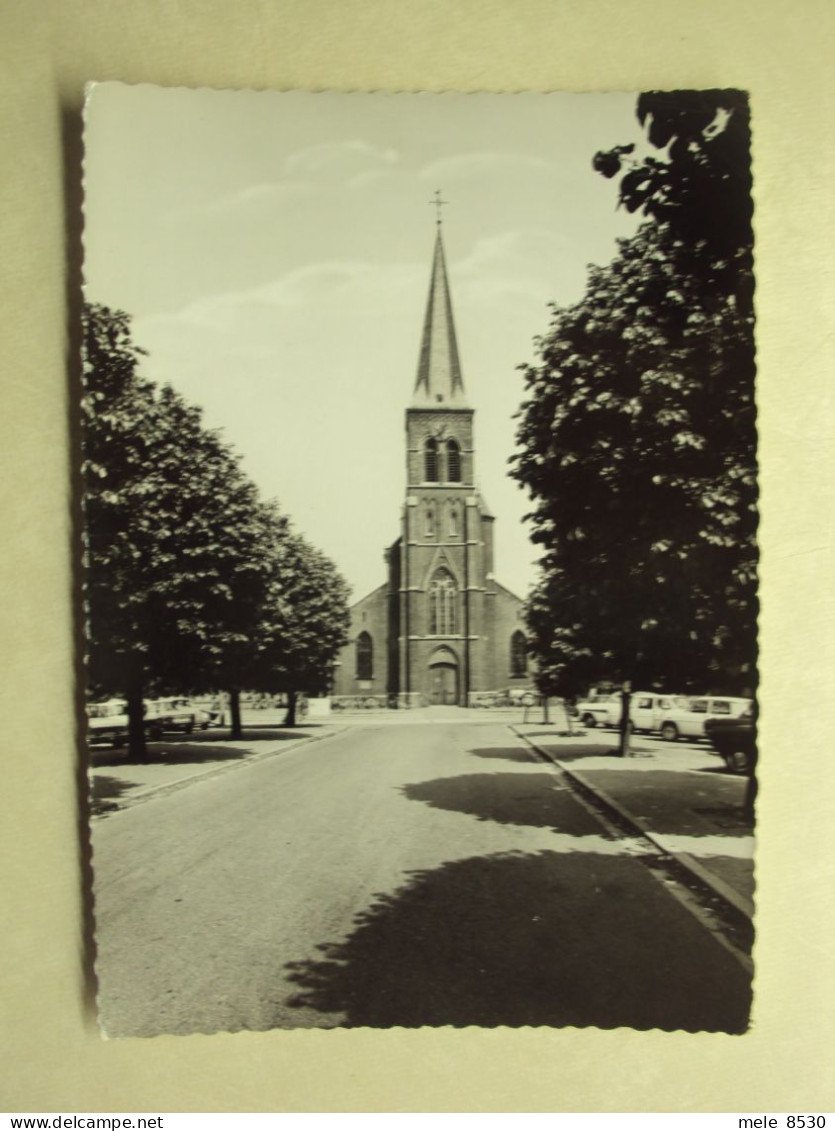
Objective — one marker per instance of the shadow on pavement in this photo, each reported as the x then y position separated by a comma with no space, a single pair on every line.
281,731
206,746
175,753
510,799
676,802
516,939
105,792
554,733
728,817
506,754
570,753
260,731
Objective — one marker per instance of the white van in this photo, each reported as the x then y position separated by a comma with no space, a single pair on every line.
650,711
688,716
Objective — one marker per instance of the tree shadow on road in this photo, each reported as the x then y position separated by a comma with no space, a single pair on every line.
541,801
553,733
572,752
174,753
506,754
527,939
675,802
259,731
105,792
577,753
511,799
192,749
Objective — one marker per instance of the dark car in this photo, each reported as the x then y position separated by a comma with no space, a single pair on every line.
735,741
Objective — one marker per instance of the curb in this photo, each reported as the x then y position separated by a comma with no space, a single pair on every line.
720,889
213,772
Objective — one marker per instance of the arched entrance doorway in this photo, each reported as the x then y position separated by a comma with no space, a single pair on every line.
443,677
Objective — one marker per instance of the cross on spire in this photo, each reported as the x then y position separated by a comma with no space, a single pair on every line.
439,369
439,203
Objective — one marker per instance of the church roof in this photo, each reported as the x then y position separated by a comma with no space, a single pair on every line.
439,383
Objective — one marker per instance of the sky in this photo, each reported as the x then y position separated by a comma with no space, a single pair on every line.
274,253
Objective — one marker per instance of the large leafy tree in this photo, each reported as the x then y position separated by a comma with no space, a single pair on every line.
304,622
191,582
175,564
637,436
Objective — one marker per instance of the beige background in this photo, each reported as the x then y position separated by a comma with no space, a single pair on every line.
51,1056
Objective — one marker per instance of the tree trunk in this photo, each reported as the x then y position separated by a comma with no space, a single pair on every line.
569,723
290,717
236,730
137,747
545,718
625,725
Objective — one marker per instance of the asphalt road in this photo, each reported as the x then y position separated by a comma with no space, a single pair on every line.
420,875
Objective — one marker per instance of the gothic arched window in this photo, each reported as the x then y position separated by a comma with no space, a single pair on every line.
365,656
518,655
430,460
442,604
453,461
429,528
453,521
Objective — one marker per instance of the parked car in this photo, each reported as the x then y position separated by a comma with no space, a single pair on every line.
647,710
687,718
650,711
107,721
174,715
734,740
599,710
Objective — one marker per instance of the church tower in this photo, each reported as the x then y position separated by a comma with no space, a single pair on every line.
446,542
441,630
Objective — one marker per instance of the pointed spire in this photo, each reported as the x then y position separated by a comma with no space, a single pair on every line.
439,380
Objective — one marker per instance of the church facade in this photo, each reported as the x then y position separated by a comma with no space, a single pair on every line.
440,629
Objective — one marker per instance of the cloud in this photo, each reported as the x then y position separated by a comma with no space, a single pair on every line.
482,164
523,246
297,289
306,173
377,179
338,159
267,194
519,265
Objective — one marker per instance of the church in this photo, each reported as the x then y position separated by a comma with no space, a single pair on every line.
440,629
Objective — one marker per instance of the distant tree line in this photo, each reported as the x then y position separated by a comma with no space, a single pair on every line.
192,583
637,439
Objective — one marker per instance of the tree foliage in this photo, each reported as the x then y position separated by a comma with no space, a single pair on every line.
190,579
699,184
172,524
637,435
304,617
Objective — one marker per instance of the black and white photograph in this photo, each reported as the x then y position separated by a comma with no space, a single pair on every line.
419,581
